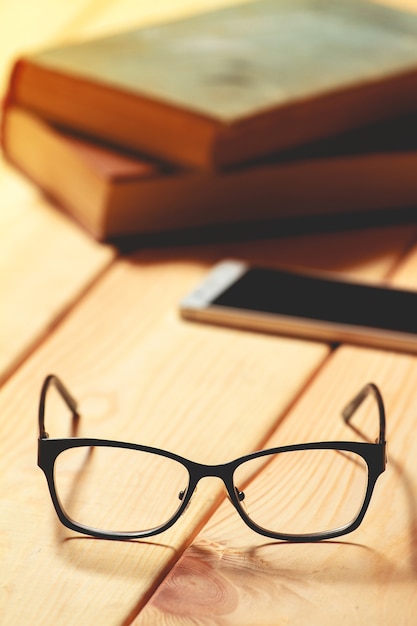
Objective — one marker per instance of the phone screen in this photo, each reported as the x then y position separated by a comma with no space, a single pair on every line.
272,291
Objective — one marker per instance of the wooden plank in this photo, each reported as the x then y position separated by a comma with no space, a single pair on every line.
367,254
46,263
243,575
405,275
144,375
231,575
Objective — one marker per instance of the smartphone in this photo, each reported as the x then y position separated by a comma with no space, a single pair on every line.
308,305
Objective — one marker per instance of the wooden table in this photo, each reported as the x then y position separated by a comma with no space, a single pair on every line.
108,324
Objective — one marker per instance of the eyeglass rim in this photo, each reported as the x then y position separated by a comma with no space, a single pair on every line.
50,448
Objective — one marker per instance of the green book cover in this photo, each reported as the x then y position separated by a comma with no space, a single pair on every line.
242,81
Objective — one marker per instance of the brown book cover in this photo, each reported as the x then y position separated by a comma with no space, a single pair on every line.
225,87
115,193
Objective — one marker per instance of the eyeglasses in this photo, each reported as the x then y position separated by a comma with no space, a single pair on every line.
118,490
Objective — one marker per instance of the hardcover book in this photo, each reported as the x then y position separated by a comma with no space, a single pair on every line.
223,88
113,193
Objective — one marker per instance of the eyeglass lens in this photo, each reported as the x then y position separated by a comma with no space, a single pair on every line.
303,492
119,489
297,492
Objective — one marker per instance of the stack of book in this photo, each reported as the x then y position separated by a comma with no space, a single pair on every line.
268,110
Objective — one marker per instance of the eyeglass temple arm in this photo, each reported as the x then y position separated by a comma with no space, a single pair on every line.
350,409
65,395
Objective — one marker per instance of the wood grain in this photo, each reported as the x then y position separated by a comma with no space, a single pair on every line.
46,264
367,577
144,375
229,575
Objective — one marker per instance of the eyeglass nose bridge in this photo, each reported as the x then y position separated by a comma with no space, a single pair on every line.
222,471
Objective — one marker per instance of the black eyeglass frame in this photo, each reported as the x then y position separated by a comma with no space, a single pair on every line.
49,449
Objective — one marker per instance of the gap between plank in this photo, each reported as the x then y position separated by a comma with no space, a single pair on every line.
54,323
135,612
